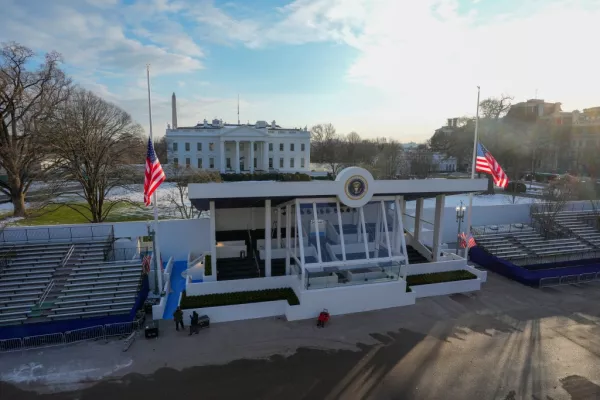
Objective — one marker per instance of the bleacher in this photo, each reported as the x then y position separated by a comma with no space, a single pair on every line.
521,241
47,280
580,224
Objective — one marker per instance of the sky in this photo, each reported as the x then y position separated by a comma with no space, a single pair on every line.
394,68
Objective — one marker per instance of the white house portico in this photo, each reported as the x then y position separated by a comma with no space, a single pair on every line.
238,147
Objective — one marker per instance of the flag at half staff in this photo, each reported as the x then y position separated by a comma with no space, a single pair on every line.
154,174
487,164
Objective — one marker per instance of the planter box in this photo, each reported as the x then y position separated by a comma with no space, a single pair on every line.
444,288
240,311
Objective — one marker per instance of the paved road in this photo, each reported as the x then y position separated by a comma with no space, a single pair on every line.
507,342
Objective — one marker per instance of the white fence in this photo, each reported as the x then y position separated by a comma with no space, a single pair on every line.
97,332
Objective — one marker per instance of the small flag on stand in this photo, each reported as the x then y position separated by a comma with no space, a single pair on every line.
463,240
487,164
146,264
154,174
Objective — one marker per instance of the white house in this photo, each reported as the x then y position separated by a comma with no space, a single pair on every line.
238,147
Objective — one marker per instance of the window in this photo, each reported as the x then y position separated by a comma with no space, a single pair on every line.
255,146
280,146
187,147
174,146
241,146
199,146
228,162
270,146
291,163
255,163
211,163
302,147
271,163
199,163
291,146
187,162
281,163
211,147
302,163
176,161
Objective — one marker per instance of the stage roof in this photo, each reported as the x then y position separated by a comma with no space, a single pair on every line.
254,193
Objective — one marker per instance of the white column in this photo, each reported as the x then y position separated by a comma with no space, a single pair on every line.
401,238
268,237
251,161
364,230
288,231
342,241
316,223
222,155
265,148
385,227
378,232
278,227
300,241
213,239
418,217
237,157
437,225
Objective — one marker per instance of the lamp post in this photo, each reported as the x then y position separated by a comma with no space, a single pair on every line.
460,217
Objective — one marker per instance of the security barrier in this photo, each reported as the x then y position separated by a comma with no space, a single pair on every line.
78,335
570,279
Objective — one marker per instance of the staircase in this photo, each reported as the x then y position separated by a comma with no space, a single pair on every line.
414,257
236,268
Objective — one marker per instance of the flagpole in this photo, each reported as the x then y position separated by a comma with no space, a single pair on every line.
473,162
156,250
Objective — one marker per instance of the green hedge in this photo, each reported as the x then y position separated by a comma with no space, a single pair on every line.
266,176
439,277
229,299
207,265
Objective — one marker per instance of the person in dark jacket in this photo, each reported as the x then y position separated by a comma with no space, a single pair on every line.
178,317
194,323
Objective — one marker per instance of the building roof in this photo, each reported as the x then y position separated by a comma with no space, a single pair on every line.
253,194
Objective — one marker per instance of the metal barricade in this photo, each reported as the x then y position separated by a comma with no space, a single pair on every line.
39,341
569,279
119,329
549,282
80,335
587,277
11,345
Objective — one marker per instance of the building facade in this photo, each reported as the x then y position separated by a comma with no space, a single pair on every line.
239,148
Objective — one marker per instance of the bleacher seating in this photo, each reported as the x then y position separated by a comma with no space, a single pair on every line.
577,223
519,241
48,280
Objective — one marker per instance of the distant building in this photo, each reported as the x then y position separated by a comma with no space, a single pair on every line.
532,110
238,147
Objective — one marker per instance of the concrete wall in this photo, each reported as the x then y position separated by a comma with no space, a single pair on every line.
177,237
445,288
239,285
240,311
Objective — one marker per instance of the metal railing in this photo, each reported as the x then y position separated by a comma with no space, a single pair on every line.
550,258
46,292
19,235
6,256
123,329
569,279
65,260
122,254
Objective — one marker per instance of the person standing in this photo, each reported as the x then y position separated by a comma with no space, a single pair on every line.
178,317
194,323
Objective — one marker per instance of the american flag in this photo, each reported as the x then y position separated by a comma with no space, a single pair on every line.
462,237
154,174
146,264
487,164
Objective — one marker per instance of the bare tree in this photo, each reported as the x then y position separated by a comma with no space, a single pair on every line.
28,99
495,108
544,211
327,147
177,196
90,140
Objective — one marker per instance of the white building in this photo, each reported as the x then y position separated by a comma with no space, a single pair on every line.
238,147
443,163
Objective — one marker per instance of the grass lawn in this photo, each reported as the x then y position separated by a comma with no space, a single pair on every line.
56,214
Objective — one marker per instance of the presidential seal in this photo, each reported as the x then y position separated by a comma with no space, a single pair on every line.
356,187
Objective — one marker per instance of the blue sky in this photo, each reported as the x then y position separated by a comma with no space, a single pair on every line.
395,68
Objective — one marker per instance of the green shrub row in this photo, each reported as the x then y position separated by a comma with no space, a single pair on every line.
229,299
439,277
207,265
266,176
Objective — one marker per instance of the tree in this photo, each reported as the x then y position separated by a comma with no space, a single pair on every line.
327,147
495,108
544,211
389,160
28,98
160,147
353,144
90,138
177,196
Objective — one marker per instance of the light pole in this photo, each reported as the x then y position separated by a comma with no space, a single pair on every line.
460,217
